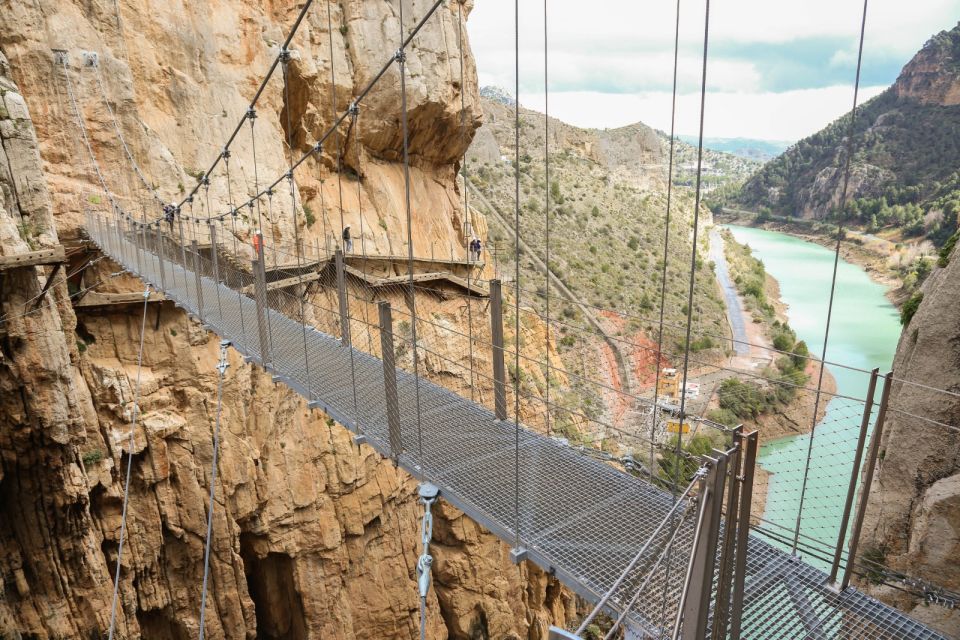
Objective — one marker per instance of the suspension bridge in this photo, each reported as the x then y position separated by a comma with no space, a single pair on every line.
678,556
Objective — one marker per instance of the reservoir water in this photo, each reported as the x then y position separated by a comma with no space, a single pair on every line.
864,331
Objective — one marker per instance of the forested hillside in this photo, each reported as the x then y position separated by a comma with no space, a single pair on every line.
906,160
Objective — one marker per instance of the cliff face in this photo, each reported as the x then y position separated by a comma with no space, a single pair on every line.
314,537
913,519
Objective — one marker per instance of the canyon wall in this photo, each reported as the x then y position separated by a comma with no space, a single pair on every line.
314,537
913,517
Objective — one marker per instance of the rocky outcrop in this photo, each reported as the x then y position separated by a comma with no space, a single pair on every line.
314,537
913,519
931,76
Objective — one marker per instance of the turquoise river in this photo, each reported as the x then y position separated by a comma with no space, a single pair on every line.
864,330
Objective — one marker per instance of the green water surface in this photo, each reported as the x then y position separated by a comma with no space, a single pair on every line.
864,330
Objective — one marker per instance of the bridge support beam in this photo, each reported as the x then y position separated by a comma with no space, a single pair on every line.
748,462
342,297
854,477
694,610
260,298
867,481
496,333
163,275
390,379
196,276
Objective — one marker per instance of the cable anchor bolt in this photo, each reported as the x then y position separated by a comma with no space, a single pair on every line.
354,109
223,364
400,56
251,113
285,55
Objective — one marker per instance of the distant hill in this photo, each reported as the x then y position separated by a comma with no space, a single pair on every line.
497,94
906,167
760,150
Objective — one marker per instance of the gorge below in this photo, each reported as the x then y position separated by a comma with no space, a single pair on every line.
863,333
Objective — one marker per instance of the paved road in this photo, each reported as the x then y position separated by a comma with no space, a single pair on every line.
730,297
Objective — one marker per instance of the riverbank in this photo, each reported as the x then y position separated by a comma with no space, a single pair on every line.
761,316
869,252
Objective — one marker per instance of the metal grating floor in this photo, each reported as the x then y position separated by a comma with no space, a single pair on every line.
575,516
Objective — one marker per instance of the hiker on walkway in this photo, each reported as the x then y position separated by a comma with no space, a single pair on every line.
168,215
258,243
347,240
475,250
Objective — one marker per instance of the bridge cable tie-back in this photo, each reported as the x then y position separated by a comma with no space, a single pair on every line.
222,370
428,495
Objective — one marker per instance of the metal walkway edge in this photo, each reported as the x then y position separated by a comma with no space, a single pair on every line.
576,517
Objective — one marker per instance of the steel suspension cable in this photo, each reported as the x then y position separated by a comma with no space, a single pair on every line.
401,58
636,558
663,296
833,279
333,108
222,369
664,555
355,126
126,483
252,115
256,97
126,148
468,221
666,240
296,226
546,165
516,251
696,228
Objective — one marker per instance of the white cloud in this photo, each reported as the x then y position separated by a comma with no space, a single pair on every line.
788,115
619,53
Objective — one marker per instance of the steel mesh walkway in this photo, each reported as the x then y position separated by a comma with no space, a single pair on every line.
575,516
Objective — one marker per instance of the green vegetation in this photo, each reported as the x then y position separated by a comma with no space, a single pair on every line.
606,234
874,559
686,466
308,215
910,308
92,457
28,231
747,400
947,248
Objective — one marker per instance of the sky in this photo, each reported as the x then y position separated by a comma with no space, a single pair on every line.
776,70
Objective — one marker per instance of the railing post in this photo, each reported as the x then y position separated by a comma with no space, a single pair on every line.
196,277
183,252
693,613
260,297
137,251
496,333
722,607
390,379
214,253
854,475
342,297
163,275
867,481
747,466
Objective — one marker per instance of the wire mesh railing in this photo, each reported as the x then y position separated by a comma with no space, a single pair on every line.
502,472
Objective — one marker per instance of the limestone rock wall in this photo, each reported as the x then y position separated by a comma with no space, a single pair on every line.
913,517
314,537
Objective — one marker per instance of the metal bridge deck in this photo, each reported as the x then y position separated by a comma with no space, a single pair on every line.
578,517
